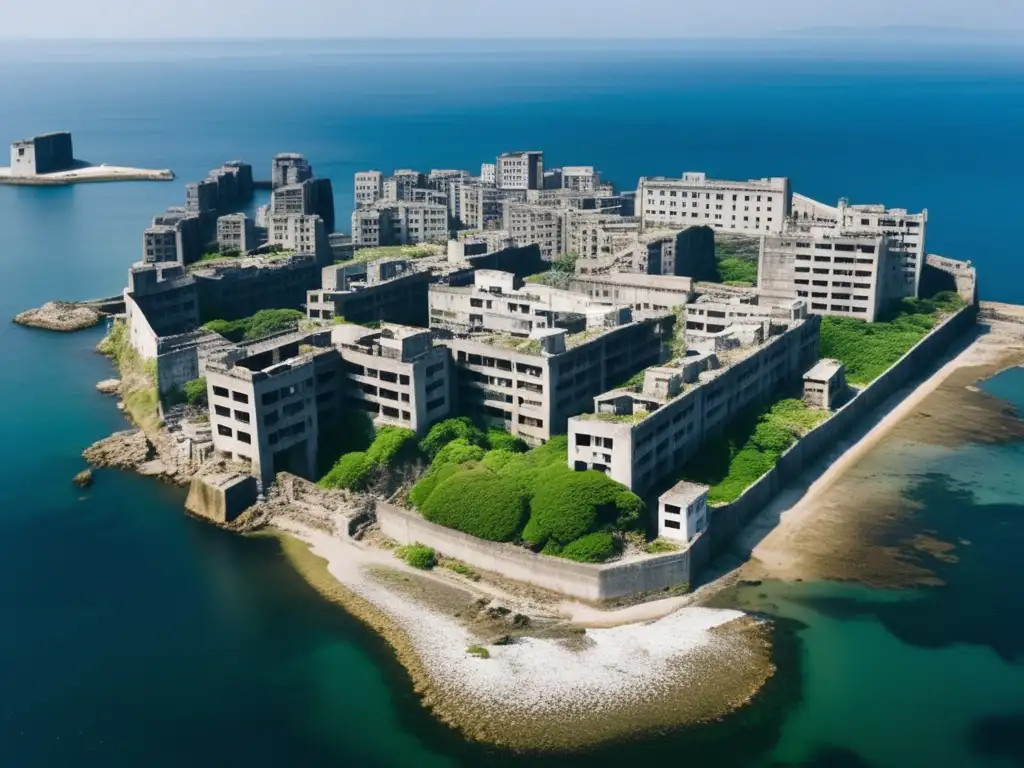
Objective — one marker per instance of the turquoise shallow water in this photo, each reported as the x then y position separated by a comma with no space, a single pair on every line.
134,635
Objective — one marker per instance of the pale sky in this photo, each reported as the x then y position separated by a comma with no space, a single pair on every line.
486,18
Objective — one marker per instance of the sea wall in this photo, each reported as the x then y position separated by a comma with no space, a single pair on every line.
593,583
726,521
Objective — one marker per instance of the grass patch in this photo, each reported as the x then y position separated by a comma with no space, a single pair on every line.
869,349
139,391
479,651
661,547
457,566
418,556
419,251
752,444
737,272
263,323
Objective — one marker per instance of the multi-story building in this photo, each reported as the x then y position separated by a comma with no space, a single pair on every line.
759,205
369,187
403,223
580,178
429,195
266,407
531,386
235,185
309,197
520,170
481,207
641,292
301,234
847,275
289,168
488,173
905,231
599,235
189,237
160,244
689,252
384,290
537,225
641,438
235,288
202,196
710,314
236,232
395,374
399,185
443,179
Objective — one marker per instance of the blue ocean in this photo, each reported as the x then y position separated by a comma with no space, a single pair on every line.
133,635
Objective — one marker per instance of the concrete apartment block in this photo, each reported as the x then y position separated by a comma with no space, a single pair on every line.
710,314
481,207
638,439
396,374
846,275
312,197
289,168
825,384
488,173
371,226
160,244
160,300
428,195
442,180
236,232
267,406
520,170
384,290
758,205
399,186
688,252
402,223
536,225
300,233
369,187
641,292
683,512
189,236
597,234
46,153
580,178
237,288
202,196
904,231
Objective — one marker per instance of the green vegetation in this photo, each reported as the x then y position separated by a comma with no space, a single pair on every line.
448,430
751,446
418,556
562,270
661,547
869,349
217,256
138,378
531,496
457,566
737,272
479,651
500,440
394,252
634,383
354,470
263,323
195,392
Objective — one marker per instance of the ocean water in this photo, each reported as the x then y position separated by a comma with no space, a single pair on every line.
135,635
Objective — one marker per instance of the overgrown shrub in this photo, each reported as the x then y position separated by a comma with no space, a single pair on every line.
458,451
418,556
391,445
478,502
736,271
499,440
772,437
352,472
448,430
592,548
498,459
571,504
426,485
195,391
262,323
460,568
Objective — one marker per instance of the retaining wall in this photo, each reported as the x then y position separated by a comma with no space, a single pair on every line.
586,582
726,521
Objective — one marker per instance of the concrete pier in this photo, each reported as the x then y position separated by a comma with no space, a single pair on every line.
86,174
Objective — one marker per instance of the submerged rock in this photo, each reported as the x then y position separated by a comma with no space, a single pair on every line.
83,479
109,386
59,316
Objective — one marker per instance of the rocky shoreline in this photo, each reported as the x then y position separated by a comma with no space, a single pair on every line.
63,316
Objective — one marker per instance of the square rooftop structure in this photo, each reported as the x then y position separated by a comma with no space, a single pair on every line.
683,512
824,384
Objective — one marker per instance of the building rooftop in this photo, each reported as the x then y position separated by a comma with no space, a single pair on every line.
683,493
823,370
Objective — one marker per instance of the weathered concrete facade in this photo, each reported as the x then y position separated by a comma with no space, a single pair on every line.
758,205
385,290
46,153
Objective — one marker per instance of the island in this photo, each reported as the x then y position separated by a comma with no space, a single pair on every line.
511,419
49,160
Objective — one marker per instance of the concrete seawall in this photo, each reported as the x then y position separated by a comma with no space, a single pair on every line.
86,175
593,583
727,521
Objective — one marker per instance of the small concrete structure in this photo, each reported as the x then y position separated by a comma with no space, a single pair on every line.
824,384
683,511
221,498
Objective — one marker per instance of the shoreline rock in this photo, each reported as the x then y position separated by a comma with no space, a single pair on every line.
129,449
63,316
83,479
109,386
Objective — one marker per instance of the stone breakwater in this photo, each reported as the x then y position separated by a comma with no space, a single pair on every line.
557,692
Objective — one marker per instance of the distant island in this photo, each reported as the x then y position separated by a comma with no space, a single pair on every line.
48,159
